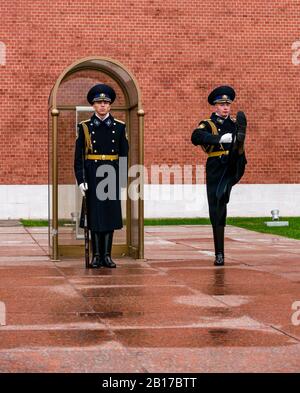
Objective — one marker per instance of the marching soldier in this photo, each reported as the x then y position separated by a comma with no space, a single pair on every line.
101,141
222,138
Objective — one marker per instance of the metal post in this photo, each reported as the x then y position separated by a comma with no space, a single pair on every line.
54,229
141,115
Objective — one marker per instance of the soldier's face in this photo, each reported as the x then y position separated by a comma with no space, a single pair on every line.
223,109
101,107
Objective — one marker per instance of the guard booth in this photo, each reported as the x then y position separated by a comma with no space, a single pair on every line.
67,107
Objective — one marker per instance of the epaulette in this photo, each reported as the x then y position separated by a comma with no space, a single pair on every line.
211,124
201,124
120,121
81,123
84,121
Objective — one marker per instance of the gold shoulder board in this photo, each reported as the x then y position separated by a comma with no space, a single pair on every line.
202,123
120,121
84,121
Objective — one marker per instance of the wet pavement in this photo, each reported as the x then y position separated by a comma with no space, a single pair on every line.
172,312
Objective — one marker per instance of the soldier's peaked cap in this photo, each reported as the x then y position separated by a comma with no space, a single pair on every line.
221,94
101,92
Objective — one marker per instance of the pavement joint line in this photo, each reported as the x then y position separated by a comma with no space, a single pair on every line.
83,286
212,296
195,325
99,318
74,287
107,277
260,268
36,242
110,329
221,301
285,333
228,267
96,347
189,288
195,291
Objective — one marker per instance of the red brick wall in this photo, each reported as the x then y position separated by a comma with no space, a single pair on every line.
178,51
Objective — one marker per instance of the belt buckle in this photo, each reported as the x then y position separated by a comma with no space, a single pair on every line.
103,156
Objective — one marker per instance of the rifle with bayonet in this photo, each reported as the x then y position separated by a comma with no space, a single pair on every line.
86,234
85,223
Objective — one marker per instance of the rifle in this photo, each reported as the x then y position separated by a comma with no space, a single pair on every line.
85,222
86,234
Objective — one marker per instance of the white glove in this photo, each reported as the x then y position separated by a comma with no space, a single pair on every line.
83,187
226,138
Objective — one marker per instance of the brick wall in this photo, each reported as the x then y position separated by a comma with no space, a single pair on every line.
178,51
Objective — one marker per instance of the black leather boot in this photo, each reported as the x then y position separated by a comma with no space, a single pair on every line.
219,244
241,125
107,238
219,261
96,261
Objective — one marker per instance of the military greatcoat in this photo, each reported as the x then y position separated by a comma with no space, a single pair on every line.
222,171
107,144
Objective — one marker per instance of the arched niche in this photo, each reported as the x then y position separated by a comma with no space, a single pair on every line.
67,106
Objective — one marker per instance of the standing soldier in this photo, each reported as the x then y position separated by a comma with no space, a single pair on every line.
101,141
222,138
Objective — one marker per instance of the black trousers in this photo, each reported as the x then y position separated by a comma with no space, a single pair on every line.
222,173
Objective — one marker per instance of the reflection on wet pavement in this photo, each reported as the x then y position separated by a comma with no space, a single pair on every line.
172,312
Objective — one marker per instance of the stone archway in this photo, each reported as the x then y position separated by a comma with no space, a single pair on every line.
66,96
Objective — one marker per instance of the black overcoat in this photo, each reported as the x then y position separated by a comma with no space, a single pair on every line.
108,137
221,172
